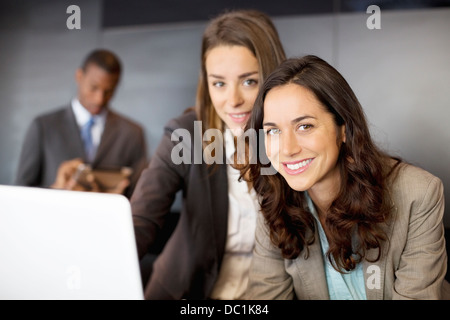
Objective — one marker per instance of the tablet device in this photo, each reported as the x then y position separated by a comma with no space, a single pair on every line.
106,178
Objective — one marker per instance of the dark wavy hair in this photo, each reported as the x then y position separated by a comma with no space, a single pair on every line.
362,205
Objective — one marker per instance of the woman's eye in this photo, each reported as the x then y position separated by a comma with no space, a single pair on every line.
304,127
273,131
218,84
250,82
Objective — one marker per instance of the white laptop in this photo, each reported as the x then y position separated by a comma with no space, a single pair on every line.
66,245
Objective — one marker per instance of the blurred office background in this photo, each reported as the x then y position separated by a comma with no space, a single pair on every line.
400,73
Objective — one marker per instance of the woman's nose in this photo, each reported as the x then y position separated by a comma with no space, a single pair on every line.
290,146
234,96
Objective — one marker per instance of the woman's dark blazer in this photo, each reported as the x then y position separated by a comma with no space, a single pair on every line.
189,264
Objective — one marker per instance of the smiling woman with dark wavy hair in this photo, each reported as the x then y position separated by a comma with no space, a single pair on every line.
341,218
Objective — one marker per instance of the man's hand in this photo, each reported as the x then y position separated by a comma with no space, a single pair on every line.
66,179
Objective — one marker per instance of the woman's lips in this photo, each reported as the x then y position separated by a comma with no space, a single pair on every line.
240,117
297,167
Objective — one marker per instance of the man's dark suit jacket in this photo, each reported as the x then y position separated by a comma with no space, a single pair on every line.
55,137
189,264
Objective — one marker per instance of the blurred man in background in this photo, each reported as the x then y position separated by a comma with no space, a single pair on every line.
85,133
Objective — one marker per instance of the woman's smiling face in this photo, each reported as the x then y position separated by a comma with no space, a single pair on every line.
302,138
233,77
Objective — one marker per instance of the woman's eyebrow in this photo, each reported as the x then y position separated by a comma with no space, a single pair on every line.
215,76
244,75
296,120
248,74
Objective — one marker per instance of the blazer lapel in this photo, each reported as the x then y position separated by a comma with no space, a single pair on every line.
374,272
374,275
218,184
211,206
315,284
71,133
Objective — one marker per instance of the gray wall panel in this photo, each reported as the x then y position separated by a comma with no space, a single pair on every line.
308,35
400,73
38,57
160,73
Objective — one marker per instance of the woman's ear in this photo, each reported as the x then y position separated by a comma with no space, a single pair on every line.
343,135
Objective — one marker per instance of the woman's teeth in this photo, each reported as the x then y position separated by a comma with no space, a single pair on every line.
298,165
242,115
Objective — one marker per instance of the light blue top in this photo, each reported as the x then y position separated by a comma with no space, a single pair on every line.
341,286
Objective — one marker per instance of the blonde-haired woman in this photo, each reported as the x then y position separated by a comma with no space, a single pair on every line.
209,253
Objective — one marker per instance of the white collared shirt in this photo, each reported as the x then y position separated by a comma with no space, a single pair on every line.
82,116
242,212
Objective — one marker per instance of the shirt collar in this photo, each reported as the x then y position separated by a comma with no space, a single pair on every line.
82,116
